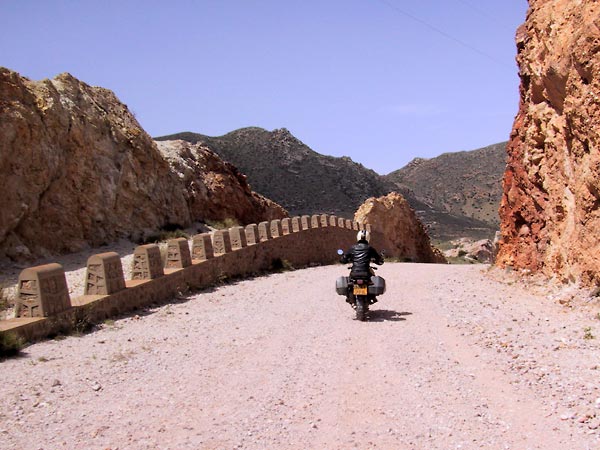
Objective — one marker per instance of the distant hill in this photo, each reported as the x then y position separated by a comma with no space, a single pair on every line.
282,168
467,183
287,171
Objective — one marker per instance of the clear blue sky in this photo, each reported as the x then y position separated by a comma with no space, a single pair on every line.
381,81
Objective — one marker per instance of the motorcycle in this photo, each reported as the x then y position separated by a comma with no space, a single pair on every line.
361,290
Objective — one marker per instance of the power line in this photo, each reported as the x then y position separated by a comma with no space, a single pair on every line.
445,34
485,14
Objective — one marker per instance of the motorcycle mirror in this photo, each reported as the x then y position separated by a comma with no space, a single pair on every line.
340,252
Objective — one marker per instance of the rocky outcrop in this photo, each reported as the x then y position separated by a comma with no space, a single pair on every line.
455,194
216,189
550,211
77,170
403,233
284,169
481,251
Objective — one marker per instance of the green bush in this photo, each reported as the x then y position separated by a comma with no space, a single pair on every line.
222,224
10,344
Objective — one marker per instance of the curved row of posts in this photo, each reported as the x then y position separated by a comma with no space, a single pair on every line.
44,307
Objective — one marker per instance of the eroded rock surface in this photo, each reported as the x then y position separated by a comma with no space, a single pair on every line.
403,233
214,188
550,210
77,170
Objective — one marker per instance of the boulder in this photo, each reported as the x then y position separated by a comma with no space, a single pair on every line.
401,233
481,251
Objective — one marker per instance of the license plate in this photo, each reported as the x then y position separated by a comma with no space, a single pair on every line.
360,290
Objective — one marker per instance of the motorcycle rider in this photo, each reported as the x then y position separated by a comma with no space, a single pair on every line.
361,254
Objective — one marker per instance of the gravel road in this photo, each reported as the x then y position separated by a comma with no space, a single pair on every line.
453,357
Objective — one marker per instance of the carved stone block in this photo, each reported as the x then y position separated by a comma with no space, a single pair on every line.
348,224
315,221
355,226
264,231
296,224
238,237
286,226
147,263
42,291
252,236
104,274
221,242
333,222
276,229
324,220
178,254
305,222
202,248
341,222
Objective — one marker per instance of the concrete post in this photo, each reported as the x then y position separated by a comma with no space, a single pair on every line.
42,291
252,236
324,220
264,231
147,263
104,274
238,237
178,254
286,226
315,221
305,222
202,248
276,229
221,242
296,224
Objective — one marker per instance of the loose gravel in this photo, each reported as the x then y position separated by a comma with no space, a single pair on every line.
452,357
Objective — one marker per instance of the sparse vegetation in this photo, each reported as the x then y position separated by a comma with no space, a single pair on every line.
222,224
587,333
162,236
10,344
281,265
82,324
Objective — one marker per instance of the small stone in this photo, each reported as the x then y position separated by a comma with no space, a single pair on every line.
567,415
594,424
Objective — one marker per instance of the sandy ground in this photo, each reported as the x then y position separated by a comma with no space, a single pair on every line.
453,357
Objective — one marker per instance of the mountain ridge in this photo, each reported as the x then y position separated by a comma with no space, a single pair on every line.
281,167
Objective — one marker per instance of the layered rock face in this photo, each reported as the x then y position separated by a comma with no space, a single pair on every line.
216,189
403,233
77,170
550,210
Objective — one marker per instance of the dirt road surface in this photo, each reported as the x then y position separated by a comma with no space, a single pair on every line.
451,358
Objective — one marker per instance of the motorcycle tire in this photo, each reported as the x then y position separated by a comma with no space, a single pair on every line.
361,308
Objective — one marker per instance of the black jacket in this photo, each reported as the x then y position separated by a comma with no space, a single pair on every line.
360,255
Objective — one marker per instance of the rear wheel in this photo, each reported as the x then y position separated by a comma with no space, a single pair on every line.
361,308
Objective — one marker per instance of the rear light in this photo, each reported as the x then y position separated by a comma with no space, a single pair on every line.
360,281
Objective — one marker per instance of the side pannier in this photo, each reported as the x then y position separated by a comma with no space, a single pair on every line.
378,286
341,285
